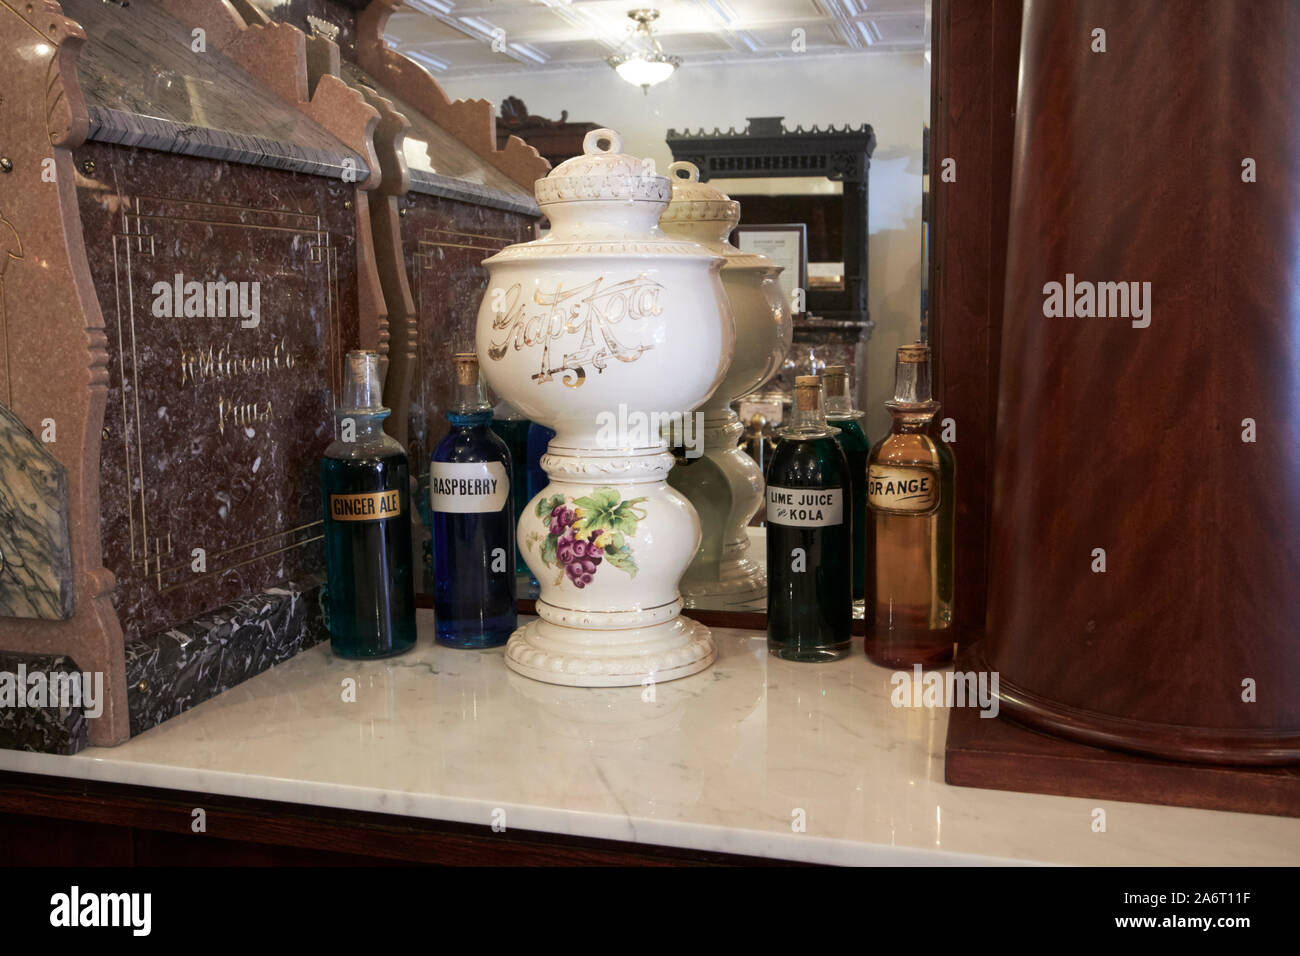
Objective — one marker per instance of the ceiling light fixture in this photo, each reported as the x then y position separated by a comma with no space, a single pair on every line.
640,59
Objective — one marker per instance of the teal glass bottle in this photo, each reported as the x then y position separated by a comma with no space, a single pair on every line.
809,532
473,522
512,428
841,414
369,590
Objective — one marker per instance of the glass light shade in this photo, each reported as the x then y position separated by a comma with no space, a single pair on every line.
643,72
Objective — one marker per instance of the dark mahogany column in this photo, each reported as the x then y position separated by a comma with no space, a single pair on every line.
1129,168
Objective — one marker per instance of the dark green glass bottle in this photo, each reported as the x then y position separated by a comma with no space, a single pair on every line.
841,414
809,534
369,591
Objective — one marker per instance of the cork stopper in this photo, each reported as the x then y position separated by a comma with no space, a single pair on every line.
361,391
912,378
466,368
807,392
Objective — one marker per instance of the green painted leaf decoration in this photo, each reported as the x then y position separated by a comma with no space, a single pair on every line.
548,549
603,510
622,559
546,505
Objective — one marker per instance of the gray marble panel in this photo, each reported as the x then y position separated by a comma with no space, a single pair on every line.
440,164
35,550
434,185
146,86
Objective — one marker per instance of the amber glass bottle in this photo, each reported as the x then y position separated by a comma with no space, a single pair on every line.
910,479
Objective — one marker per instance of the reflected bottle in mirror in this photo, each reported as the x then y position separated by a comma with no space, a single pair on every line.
841,414
512,428
473,522
809,534
910,479
369,590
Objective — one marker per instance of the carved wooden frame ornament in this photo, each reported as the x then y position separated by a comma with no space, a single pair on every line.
49,307
473,122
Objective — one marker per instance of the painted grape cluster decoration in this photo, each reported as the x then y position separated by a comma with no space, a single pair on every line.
582,535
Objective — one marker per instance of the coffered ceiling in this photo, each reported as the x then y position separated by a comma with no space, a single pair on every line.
477,37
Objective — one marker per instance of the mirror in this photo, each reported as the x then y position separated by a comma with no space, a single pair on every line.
812,118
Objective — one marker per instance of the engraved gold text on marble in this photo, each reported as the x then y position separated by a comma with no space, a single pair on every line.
200,366
222,364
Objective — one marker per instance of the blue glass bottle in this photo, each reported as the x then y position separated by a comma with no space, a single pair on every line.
369,591
473,522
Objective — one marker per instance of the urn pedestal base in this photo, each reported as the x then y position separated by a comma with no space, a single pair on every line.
558,654
740,581
725,486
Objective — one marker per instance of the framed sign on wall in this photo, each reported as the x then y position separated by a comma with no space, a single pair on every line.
787,246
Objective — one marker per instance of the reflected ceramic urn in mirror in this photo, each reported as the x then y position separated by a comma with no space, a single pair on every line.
724,483
608,331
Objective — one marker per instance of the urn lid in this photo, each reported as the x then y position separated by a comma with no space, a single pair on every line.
694,201
603,171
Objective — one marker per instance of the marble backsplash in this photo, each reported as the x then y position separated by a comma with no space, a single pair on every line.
214,424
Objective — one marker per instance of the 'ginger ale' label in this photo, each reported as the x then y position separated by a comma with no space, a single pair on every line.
374,506
897,489
479,487
805,507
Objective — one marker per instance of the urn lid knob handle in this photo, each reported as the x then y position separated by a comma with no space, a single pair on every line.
690,170
591,143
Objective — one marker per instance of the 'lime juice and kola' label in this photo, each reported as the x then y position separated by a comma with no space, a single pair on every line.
805,507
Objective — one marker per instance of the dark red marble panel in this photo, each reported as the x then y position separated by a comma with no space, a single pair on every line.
444,243
214,429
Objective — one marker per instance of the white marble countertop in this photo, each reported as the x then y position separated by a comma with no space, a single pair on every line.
720,761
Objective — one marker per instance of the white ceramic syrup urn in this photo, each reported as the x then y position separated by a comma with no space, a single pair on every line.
604,330
725,484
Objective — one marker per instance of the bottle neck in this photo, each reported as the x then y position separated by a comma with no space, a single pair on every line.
912,406
838,402
807,417
469,406
366,423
